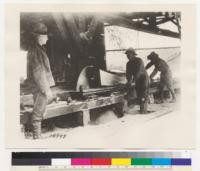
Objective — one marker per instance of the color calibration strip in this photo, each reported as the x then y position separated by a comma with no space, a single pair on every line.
107,159
122,161
105,162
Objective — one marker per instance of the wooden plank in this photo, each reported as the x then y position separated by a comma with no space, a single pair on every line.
63,108
58,110
123,22
28,99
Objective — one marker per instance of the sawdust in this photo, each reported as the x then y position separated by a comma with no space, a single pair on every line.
107,124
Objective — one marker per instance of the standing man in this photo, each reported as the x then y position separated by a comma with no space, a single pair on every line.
39,76
165,74
135,72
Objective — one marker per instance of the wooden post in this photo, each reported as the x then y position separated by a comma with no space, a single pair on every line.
119,108
84,117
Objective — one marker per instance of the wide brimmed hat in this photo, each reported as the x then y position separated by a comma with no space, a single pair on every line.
152,55
131,50
40,28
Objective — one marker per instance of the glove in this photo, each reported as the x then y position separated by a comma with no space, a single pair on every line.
83,36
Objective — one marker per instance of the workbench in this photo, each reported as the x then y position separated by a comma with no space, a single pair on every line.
82,107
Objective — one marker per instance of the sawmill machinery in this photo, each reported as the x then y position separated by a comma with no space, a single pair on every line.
76,50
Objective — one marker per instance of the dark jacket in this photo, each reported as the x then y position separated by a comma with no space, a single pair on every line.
38,69
135,68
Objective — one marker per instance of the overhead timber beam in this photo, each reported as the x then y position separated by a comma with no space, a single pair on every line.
124,22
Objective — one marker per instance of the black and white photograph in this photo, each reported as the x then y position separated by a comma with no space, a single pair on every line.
103,79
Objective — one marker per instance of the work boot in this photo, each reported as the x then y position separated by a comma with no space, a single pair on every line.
143,110
143,106
160,101
36,129
173,100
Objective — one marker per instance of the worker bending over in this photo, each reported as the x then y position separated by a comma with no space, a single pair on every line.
165,74
135,72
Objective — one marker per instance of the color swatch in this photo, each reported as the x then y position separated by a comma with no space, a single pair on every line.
86,159
121,161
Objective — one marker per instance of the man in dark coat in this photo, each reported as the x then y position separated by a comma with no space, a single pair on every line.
135,72
39,76
165,74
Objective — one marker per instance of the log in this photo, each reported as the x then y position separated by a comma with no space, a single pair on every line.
63,108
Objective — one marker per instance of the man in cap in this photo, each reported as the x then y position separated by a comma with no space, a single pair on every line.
165,74
135,72
39,76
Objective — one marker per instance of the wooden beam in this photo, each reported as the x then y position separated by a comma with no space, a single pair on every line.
136,15
63,108
123,22
86,117
161,21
